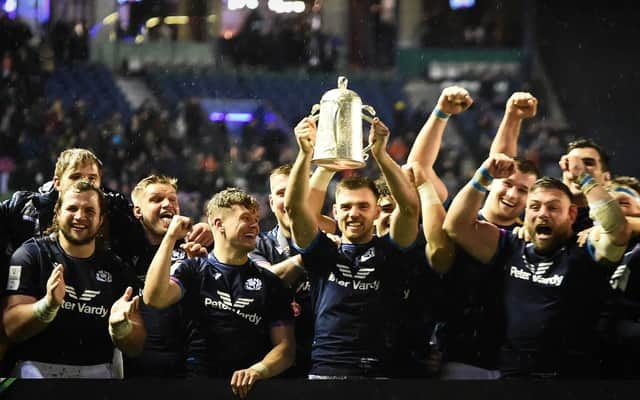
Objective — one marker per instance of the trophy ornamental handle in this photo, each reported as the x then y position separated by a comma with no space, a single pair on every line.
369,119
315,113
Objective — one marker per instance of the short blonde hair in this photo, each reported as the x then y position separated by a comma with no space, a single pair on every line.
74,158
229,198
152,180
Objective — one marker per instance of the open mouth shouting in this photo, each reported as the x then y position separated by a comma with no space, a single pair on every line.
166,217
543,231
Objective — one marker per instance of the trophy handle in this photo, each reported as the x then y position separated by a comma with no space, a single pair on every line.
315,112
369,119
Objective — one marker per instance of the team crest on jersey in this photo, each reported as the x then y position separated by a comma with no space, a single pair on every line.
178,254
253,284
368,254
104,276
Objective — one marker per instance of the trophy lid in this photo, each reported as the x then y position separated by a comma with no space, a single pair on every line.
341,93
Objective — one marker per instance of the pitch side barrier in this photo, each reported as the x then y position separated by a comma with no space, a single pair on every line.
281,389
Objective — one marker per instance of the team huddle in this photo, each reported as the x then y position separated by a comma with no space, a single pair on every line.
522,276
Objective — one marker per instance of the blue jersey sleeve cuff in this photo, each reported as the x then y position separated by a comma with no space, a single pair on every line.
182,289
311,245
400,248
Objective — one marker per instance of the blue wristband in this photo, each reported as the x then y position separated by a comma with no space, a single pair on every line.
484,171
440,114
588,178
477,186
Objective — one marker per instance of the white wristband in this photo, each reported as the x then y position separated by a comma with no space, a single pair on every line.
428,194
121,330
262,369
45,311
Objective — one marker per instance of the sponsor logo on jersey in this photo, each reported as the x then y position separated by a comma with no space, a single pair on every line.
225,303
518,273
254,284
104,276
15,272
81,302
358,283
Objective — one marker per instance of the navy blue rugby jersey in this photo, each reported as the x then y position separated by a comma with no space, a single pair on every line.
273,247
552,302
357,288
164,347
79,334
473,311
230,311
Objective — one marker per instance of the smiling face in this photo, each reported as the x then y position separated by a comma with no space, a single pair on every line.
239,226
79,218
507,199
155,206
356,210
549,217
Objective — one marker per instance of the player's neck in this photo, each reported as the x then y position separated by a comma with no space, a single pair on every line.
152,238
229,255
496,218
77,250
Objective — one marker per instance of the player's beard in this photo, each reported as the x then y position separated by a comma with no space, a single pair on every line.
88,238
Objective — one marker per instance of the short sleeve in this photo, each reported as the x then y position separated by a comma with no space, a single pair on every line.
24,274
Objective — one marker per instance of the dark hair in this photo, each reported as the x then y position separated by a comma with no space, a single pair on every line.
354,182
547,182
588,143
382,187
526,166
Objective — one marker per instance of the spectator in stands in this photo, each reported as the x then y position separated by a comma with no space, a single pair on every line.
239,314
59,292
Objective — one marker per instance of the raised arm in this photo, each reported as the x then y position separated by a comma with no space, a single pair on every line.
160,291
317,192
404,220
520,106
480,239
304,226
615,231
453,100
440,249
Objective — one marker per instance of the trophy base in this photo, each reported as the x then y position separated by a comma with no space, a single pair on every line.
338,164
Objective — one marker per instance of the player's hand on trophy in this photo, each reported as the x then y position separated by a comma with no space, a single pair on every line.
305,133
378,137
